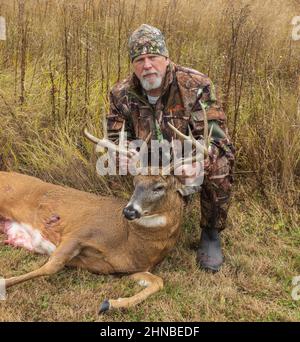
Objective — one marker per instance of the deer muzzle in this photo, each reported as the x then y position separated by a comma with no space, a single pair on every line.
131,213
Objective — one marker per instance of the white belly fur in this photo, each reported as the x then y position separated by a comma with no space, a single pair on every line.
24,235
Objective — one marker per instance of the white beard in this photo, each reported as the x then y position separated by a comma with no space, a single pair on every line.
153,85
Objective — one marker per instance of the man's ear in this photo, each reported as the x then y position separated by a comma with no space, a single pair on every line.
167,61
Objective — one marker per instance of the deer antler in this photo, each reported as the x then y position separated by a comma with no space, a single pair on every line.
144,146
189,137
109,144
121,148
191,159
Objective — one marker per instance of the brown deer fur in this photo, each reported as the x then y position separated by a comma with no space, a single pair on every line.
91,232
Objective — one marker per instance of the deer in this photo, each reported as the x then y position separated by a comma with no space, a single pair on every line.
103,234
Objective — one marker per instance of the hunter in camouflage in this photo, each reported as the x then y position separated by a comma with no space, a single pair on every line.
158,92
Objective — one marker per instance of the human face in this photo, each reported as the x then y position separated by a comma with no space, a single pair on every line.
150,70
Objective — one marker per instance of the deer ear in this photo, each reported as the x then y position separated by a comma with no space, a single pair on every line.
188,190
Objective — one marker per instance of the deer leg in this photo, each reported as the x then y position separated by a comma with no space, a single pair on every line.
151,283
64,253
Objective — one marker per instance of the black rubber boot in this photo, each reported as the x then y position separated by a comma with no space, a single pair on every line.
209,254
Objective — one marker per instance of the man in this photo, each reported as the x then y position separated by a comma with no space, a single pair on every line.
159,91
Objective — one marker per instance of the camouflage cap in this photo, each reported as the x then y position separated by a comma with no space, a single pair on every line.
147,39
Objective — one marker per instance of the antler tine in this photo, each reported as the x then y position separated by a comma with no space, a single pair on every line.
90,137
144,146
145,143
106,143
190,137
173,148
177,131
166,170
206,141
191,159
122,136
210,133
98,147
148,137
104,127
197,143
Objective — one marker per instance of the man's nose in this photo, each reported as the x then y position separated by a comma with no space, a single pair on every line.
147,64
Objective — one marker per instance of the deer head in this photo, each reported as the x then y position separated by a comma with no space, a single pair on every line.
152,193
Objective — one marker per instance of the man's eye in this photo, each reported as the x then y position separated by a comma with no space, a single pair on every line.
137,61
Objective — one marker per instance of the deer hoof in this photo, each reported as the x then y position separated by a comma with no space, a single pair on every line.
105,305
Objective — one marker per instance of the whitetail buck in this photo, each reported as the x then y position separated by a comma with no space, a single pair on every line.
102,234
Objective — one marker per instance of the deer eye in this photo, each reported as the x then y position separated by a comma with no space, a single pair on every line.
159,187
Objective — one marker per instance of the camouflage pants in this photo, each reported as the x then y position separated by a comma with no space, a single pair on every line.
216,189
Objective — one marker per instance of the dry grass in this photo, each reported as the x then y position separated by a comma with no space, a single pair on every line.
56,67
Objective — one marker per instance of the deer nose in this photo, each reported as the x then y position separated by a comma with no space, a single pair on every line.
130,213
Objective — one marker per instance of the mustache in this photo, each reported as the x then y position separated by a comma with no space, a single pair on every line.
145,73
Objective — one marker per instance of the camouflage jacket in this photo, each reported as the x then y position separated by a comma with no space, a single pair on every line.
182,90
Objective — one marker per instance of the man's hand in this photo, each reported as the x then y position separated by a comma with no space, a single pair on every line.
192,174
